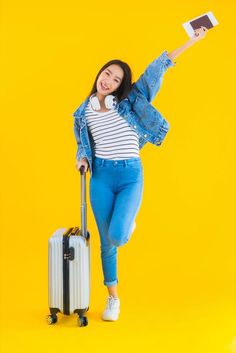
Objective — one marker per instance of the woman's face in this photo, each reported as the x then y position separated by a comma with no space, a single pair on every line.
109,79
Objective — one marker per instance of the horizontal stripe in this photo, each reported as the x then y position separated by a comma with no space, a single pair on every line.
117,156
117,148
119,132
112,135
105,126
117,143
99,116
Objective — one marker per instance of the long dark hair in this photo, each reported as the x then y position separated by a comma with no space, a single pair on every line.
126,83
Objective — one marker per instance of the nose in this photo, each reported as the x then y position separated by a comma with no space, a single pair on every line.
108,83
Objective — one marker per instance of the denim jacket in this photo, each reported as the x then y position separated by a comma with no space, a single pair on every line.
136,109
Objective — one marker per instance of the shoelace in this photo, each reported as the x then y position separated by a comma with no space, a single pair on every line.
110,302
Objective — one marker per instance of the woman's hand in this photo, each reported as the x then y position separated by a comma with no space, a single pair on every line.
199,34
81,162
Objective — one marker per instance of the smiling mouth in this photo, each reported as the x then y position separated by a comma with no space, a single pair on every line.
103,87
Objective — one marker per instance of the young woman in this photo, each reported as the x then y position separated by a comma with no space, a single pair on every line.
111,126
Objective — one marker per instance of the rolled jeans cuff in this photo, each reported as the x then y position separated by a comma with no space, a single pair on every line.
109,284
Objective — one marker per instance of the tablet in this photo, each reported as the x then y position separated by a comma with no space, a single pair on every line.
207,20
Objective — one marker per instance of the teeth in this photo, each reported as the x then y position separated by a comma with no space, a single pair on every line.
104,86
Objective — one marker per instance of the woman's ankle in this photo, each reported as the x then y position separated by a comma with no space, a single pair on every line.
113,291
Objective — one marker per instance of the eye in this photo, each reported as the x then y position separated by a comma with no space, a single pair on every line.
108,75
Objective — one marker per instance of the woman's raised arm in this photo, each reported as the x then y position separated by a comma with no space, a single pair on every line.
200,33
150,81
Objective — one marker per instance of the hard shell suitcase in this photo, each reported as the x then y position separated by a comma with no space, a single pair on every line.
69,267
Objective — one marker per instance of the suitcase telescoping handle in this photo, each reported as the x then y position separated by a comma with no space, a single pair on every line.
83,202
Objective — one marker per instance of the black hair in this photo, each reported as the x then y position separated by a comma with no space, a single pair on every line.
126,83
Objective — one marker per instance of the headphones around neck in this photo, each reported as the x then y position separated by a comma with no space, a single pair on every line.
110,102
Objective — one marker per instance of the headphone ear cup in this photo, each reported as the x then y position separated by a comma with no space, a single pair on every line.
110,101
95,102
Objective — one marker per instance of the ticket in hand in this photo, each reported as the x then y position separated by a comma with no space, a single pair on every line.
207,20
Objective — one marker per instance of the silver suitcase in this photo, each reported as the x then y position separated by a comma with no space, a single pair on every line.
69,267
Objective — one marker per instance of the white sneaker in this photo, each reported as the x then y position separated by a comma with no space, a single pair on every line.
112,310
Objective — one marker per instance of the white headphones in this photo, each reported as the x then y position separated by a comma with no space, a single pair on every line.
110,102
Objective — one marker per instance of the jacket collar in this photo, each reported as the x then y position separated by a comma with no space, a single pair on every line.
80,112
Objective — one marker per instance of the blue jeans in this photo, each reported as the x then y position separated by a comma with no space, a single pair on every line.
116,189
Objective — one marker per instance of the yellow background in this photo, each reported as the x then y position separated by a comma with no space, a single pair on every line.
177,273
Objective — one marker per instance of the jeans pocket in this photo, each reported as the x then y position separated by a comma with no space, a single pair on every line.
135,165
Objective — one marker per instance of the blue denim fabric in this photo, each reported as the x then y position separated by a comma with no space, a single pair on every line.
116,190
136,109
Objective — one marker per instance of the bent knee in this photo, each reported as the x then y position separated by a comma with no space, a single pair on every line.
118,240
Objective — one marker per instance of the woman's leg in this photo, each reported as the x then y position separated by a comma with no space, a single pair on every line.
102,203
112,290
115,196
126,206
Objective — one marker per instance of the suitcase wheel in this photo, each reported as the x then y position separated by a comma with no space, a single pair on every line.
82,321
51,319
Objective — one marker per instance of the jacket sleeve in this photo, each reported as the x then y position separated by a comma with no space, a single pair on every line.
80,150
150,81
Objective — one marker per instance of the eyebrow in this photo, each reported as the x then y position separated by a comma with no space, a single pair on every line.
115,76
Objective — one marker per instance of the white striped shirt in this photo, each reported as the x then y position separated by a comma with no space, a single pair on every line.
112,135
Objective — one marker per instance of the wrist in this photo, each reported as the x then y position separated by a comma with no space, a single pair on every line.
192,41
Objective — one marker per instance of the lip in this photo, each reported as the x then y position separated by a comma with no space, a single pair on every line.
103,88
